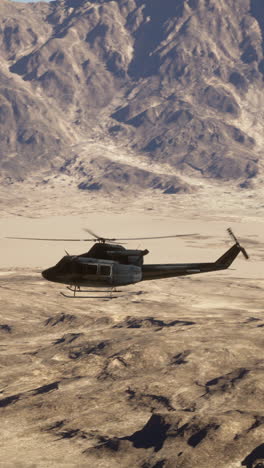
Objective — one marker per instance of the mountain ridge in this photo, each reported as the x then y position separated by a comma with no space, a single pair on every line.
170,82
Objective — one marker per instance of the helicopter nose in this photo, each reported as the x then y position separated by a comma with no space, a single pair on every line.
47,274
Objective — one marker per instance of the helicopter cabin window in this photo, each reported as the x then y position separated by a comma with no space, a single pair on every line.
85,268
91,269
105,270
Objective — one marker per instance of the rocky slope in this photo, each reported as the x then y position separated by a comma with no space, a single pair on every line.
175,82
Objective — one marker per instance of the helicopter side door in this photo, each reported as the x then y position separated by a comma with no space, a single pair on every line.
95,272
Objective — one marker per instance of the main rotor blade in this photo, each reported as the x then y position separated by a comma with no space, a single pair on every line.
99,238
92,233
155,237
116,239
45,239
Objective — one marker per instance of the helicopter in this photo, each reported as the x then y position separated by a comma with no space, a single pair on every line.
110,265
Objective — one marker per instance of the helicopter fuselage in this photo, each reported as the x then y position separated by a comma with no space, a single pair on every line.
85,271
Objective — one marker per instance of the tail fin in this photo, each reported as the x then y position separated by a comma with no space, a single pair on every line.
229,256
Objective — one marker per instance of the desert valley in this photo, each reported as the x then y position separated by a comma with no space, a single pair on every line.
132,118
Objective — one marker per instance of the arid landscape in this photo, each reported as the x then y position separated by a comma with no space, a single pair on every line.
169,376
132,118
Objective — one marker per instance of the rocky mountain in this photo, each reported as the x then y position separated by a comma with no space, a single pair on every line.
157,84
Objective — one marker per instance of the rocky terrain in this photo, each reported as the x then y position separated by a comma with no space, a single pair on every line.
168,376
175,86
171,377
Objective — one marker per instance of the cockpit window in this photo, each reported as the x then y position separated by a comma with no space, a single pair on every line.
60,266
91,269
85,268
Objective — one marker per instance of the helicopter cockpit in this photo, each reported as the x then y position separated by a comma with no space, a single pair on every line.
62,265
73,265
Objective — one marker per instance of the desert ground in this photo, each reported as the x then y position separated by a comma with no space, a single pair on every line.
169,376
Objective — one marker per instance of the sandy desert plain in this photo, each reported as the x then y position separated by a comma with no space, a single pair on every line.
168,378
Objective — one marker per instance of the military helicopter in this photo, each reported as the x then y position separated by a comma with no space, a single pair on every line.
110,265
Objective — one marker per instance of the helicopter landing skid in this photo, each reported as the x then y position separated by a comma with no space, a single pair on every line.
88,297
77,289
112,293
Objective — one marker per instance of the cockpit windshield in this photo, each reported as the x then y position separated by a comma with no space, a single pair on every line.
61,264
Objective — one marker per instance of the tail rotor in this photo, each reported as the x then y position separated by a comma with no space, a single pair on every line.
233,237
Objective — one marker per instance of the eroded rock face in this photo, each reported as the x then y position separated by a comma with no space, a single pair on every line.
171,80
